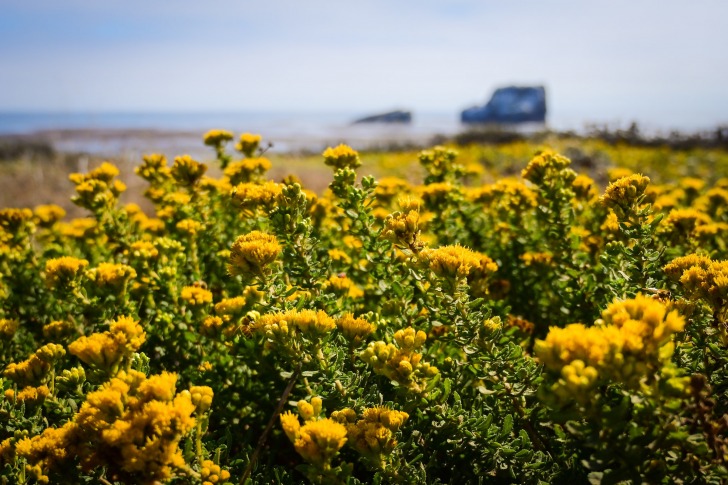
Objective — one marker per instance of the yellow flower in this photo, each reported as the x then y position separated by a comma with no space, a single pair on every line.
8,327
547,165
390,187
536,259
187,171
210,473
112,275
684,221
30,396
50,448
252,252
142,250
403,227
248,144
290,424
401,364
106,350
459,262
216,138
374,434
35,368
584,187
133,425
319,441
189,226
435,194
354,329
629,343
47,215
307,321
64,271
154,168
506,195
202,398
247,170
196,296
13,219
622,194
103,173
232,306
342,156
339,255
250,196
343,286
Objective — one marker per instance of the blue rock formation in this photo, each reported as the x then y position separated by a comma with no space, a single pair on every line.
510,105
391,117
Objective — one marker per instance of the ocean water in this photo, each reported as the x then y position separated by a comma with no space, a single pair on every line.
134,133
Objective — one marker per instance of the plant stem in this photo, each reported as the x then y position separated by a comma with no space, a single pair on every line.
264,436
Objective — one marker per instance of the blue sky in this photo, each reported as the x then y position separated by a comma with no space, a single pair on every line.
658,62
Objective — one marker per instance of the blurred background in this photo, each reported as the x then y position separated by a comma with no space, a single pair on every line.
300,72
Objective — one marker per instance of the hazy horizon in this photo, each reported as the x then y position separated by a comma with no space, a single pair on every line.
659,63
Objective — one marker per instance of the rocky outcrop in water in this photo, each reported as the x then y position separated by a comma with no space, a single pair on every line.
510,105
390,117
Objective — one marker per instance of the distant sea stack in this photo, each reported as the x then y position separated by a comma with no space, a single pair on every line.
510,105
389,117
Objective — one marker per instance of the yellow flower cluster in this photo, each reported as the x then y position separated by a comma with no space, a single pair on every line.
104,172
390,187
624,193
684,221
154,169
35,368
318,440
62,272
247,170
505,195
536,259
189,227
232,306
310,322
342,156
248,144
108,349
47,215
401,363
354,329
131,426
584,187
251,196
403,227
11,220
29,395
48,449
440,163
546,166
434,195
112,275
216,138
142,251
212,474
187,171
97,188
8,327
456,262
627,345
196,296
343,286
251,253
374,434
201,398
702,278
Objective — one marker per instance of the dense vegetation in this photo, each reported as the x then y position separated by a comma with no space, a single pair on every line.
478,326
